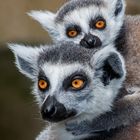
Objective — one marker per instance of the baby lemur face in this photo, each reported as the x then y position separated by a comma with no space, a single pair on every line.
71,81
90,23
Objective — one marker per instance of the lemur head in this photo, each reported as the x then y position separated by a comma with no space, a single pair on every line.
90,23
71,81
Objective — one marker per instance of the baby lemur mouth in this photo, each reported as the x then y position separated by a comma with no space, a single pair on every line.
53,111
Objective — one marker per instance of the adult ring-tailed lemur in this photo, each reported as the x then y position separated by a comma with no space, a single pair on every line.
71,83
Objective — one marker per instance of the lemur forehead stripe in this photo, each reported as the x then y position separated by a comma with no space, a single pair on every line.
66,53
75,4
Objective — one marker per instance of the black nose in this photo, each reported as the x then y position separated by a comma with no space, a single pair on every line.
54,111
91,41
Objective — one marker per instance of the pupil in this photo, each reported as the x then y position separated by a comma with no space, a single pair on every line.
100,23
72,32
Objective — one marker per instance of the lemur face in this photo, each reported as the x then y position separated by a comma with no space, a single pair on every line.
71,81
90,23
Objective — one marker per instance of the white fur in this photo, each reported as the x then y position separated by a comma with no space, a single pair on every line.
57,132
29,54
57,72
44,17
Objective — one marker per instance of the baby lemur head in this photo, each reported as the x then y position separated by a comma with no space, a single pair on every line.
90,23
71,81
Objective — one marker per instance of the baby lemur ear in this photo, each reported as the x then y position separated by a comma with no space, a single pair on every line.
46,19
25,59
117,6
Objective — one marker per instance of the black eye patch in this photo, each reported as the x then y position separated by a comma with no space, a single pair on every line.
43,82
98,23
73,30
67,84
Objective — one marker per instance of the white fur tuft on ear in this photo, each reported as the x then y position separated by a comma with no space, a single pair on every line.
46,19
26,59
43,17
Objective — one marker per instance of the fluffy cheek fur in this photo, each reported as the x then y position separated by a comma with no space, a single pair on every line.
99,100
94,102
113,26
39,97
99,103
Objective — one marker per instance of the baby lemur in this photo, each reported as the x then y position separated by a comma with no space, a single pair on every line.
74,84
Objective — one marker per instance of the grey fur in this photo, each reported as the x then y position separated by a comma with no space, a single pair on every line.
66,52
76,4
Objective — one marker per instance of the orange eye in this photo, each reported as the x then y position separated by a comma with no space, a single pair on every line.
77,84
100,24
43,85
72,33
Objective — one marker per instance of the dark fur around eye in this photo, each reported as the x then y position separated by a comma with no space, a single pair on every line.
77,75
93,22
73,28
42,76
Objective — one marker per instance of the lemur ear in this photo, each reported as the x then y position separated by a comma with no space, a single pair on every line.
112,68
117,6
111,65
46,19
25,59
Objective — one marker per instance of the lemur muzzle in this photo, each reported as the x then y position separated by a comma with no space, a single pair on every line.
54,111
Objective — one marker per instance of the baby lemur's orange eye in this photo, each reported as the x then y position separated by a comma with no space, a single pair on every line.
42,84
77,84
100,24
72,33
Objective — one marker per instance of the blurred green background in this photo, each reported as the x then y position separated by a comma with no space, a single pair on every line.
19,114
